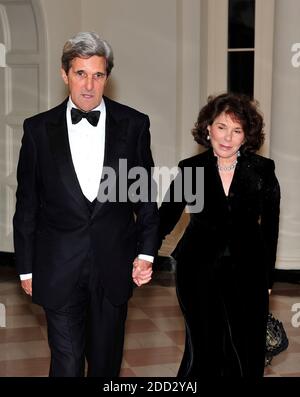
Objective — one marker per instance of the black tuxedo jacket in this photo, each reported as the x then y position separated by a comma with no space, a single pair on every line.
54,231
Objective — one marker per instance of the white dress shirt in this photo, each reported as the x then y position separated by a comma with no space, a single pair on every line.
87,144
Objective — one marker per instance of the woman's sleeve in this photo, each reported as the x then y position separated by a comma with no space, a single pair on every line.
173,205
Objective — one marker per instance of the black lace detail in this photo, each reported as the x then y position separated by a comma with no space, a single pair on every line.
276,339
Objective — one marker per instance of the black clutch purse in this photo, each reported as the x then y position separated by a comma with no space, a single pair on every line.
276,339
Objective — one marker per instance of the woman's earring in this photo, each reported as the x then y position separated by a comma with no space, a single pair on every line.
208,137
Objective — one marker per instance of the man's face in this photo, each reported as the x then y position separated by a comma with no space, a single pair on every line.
86,80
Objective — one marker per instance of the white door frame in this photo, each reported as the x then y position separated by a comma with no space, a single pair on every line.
214,22
21,98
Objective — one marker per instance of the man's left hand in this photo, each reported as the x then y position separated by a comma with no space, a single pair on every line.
141,272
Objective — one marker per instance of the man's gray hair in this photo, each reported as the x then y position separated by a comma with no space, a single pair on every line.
85,45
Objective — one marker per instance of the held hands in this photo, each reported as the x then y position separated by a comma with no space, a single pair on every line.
141,272
27,286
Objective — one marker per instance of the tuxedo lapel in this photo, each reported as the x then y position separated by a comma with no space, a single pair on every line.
60,148
115,145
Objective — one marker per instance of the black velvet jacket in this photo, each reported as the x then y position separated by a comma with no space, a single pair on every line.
246,221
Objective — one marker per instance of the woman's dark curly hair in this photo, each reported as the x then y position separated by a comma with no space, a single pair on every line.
242,109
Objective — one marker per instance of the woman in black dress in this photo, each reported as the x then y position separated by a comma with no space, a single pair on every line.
227,254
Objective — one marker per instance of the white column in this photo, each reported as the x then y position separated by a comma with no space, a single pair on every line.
285,129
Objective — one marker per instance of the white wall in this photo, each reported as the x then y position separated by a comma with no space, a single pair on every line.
167,57
285,137
144,42
157,60
143,35
62,20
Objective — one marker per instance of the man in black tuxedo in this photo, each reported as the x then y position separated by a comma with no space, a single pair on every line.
78,253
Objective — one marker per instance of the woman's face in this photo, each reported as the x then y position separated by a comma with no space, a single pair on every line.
226,135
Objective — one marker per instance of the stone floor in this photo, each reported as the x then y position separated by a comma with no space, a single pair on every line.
154,333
